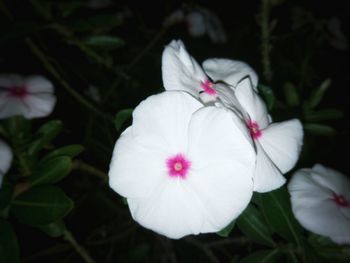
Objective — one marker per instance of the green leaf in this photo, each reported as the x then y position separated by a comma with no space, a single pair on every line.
324,114
54,229
41,205
261,256
121,117
276,208
267,94
225,232
319,129
51,171
317,94
104,41
9,248
44,135
70,150
251,222
291,94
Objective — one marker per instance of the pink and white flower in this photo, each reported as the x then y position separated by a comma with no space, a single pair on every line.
184,168
320,199
5,159
31,97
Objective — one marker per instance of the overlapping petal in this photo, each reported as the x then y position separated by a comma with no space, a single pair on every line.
312,196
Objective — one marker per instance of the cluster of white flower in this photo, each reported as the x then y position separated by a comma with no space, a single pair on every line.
195,153
30,97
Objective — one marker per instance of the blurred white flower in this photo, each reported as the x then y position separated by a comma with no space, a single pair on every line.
184,168
93,93
233,83
31,97
5,159
199,22
321,202
337,38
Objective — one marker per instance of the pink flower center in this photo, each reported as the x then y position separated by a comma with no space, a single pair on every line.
340,200
208,87
254,129
178,166
18,91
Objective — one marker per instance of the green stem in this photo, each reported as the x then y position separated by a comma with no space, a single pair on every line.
82,166
67,235
265,40
50,68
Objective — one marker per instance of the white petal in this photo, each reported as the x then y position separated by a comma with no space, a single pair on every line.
9,80
223,165
196,24
136,170
282,142
38,84
229,71
252,103
267,176
314,209
11,106
214,27
180,71
331,179
39,105
5,159
165,116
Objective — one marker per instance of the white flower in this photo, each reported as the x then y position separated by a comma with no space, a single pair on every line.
199,21
234,84
31,97
184,168
5,159
321,202
336,36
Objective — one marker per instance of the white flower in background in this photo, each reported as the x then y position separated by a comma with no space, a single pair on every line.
234,83
199,22
184,168
321,202
31,97
93,93
5,159
337,38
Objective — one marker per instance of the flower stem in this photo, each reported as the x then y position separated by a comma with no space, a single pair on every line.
67,235
49,67
265,39
82,166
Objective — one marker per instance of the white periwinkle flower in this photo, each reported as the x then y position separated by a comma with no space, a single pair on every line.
31,97
321,202
233,84
184,168
5,159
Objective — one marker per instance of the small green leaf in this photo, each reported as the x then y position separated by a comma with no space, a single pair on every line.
44,135
253,225
70,151
104,41
51,171
121,117
41,205
291,94
324,114
9,248
317,94
261,256
225,232
268,95
319,129
276,208
54,229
